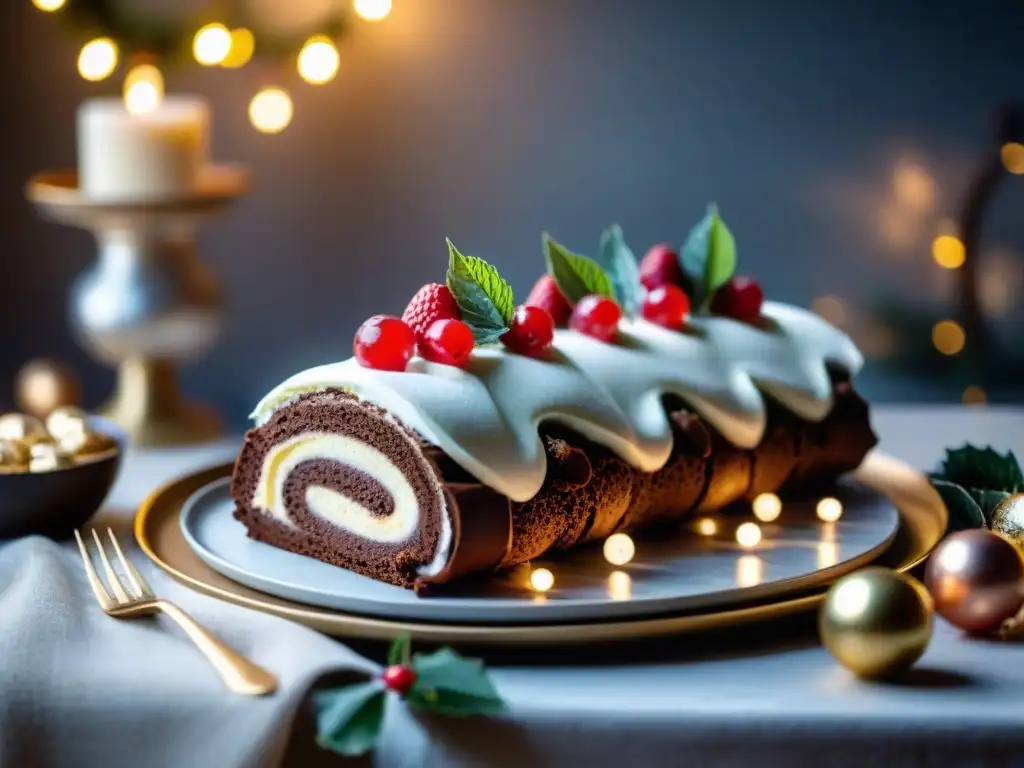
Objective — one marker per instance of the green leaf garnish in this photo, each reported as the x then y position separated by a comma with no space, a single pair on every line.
964,511
576,276
982,468
708,257
400,650
619,263
349,719
453,685
484,298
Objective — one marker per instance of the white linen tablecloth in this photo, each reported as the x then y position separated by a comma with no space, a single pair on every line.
80,689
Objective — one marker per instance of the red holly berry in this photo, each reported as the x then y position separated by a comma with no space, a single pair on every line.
432,302
660,266
546,295
447,341
399,678
597,316
740,298
384,343
666,306
532,331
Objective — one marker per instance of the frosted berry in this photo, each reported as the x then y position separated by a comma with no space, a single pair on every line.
660,266
532,331
399,678
666,306
447,341
432,302
546,295
384,343
596,316
740,298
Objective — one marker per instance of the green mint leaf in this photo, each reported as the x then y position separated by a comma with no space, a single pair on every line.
484,298
708,257
576,276
618,261
964,512
982,468
452,684
349,719
399,652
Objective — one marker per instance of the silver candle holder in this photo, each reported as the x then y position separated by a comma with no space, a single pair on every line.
147,304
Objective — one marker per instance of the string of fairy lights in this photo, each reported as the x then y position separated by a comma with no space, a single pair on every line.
215,44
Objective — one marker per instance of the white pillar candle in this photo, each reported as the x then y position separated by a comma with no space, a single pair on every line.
154,156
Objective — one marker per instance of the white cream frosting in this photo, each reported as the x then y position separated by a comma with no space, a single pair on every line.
486,416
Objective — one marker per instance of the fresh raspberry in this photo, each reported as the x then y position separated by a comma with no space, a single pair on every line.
447,341
741,299
399,678
660,266
532,331
666,306
597,316
546,295
384,343
432,302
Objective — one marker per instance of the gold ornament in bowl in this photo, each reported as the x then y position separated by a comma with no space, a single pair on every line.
14,455
65,421
876,622
20,426
1008,520
47,457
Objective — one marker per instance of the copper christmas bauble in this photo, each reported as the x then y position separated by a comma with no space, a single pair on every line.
876,622
976,579
1008,520
43,386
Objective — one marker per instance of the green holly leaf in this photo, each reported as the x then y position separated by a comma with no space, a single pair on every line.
349,719
987,501
576,276
708,257
399,652
619,263
453,685
964,511
982,468
484,298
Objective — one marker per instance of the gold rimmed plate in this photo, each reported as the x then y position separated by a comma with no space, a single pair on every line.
159,532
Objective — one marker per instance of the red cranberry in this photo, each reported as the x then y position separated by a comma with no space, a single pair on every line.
447,341
666,306
384,343
532,331
660,266
399,678
596,316
740,298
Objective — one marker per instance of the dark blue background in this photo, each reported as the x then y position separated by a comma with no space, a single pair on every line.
491,120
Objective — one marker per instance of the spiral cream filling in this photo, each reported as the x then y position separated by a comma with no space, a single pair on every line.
338,509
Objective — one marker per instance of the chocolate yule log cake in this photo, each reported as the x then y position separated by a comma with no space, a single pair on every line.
473,435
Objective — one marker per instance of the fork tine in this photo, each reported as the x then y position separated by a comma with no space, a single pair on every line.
112,577
138,583
90,573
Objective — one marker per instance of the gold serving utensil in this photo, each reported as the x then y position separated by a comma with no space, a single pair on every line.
238,673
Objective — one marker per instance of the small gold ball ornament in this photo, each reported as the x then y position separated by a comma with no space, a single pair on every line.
67,421
19,426
47,457
42,386
14,456
876,622
1008,520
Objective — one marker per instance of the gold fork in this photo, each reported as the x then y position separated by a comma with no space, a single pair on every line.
238,673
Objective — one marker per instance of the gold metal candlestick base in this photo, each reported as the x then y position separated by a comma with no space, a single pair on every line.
147,304
148,405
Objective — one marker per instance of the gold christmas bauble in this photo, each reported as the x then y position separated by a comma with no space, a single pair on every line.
19,426
1008,520
876,622
67,421
42,386
14,456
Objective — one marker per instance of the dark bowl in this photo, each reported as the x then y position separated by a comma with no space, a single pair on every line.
57,502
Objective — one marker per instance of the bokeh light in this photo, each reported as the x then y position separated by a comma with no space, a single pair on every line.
211,44
243,46
372,10
831,308
829,509
706,526
620,585
542,580
749,571
318,60
748,535
49,5
143,89
1012,155
948,252
974,395
97,59
767,507
270,110
948,337
619,549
